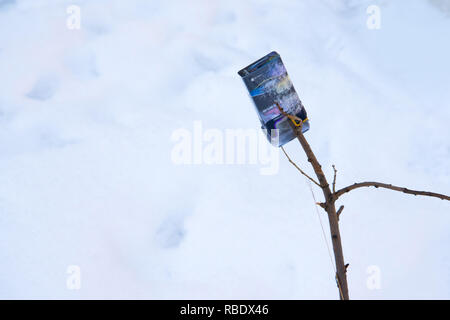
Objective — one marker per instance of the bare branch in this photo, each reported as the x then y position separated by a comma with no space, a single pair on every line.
301,171
330,208
331,212
340,192
334,179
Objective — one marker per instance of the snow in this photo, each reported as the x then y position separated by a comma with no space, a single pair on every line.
86,119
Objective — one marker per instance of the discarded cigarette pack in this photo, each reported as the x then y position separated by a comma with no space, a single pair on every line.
268,83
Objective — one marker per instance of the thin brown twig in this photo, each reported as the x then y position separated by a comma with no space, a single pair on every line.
340,192
329,208
334,179
298,168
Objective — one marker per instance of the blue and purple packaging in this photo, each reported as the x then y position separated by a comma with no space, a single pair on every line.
268,83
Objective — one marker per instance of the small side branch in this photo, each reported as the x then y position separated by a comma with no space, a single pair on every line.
339,211
334,179
301,171
340,192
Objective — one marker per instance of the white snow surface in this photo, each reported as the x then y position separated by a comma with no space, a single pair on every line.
86,177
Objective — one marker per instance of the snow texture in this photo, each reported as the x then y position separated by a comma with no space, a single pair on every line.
86,118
